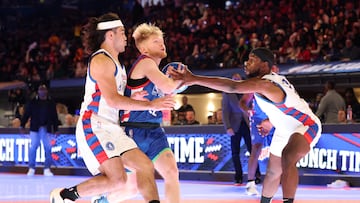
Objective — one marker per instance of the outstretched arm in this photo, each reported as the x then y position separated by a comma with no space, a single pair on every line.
254,85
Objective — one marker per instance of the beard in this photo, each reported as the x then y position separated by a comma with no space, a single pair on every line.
158,54
253,74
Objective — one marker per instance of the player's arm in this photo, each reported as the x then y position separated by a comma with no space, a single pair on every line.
149,69
265,87
102,70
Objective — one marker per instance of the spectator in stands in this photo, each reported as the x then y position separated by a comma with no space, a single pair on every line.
190,117
16,97
19,113
69,121
350,51
194,24
330,104
218,116
182,110
62,111
211,120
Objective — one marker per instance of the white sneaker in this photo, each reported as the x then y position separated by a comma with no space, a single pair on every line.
338,184
47,172
251,188
56,198
31,172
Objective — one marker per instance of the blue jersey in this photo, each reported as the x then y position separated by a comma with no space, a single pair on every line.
136,85
257,114
256,117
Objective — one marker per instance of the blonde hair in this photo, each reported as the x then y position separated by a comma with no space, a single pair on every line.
144,31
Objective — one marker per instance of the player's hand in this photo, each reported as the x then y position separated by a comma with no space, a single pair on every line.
183,74
140,95
164,103
230,132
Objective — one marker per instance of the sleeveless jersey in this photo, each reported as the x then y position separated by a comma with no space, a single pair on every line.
136,85
292,112
256,115
93,99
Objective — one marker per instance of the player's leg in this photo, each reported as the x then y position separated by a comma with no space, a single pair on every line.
296,148
140,164
166,166
101,152
129,191
252,166
245,130
272,178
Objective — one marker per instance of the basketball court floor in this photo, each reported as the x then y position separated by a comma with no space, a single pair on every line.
19,188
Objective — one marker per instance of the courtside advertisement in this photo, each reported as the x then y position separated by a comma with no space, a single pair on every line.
335,153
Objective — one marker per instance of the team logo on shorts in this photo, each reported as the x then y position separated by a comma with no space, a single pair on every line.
110,146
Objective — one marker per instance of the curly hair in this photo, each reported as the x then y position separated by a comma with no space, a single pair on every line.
91,37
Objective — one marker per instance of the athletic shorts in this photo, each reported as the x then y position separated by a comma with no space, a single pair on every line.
152,141
281,138
99,140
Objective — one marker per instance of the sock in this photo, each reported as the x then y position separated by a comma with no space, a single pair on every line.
154,201
70,193
288,200
265,199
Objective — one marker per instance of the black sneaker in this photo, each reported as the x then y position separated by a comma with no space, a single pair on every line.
257,180
237,182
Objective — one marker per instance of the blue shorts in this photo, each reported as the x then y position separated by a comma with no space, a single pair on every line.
152,141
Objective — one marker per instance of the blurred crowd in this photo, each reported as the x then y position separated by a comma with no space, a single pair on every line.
37,46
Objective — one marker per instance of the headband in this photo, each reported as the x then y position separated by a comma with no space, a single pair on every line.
109,25
265,55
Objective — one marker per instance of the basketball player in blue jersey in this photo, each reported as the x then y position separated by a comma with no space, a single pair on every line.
261,134
104,146
144,126
297,128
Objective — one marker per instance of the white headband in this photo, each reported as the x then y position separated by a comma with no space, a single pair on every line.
109,25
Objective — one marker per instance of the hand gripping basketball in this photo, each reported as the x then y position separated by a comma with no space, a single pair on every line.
175,66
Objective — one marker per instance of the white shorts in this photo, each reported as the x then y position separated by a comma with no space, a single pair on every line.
99,140
281,138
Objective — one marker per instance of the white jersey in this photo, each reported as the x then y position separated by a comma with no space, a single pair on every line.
93,99
290,116
98,134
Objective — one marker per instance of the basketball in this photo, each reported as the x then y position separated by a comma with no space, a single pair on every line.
176,66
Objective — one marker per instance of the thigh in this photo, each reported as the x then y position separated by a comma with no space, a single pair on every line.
99,140
113,168
296,148
136,160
